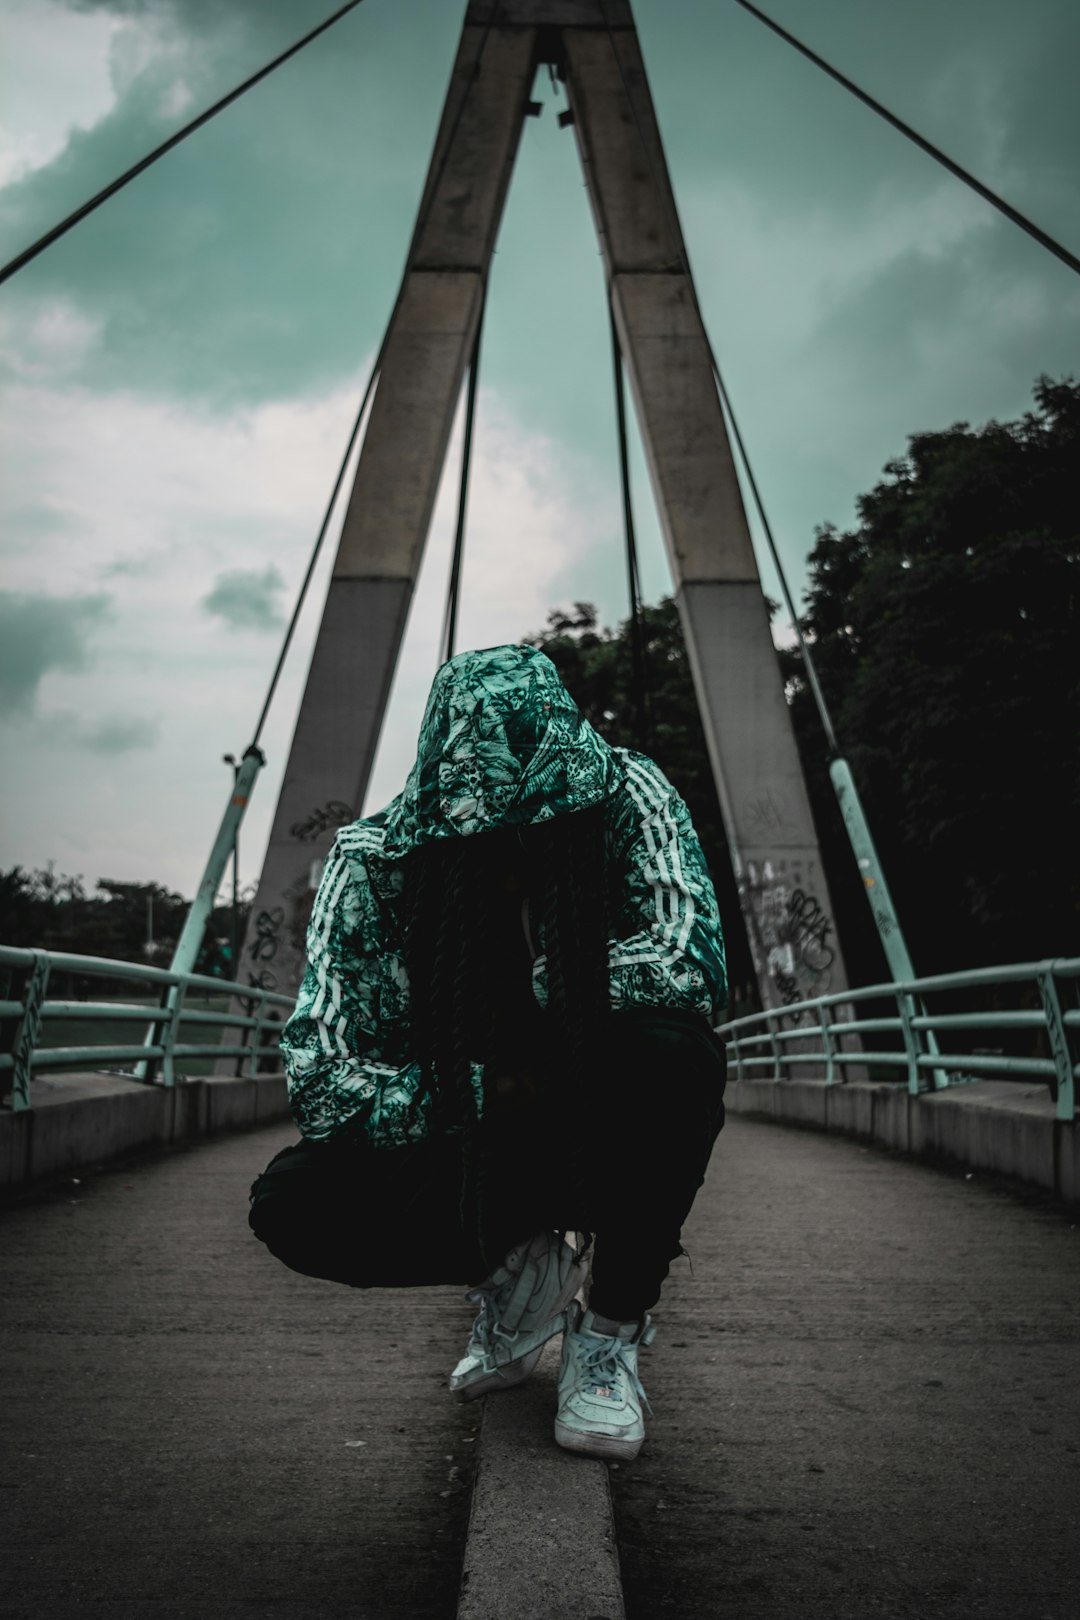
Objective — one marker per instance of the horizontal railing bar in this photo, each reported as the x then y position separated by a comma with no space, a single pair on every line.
193,1049
989,1020
994,1065
98,1011
109,968
805,1057
11,1009
899,1059
50,1057
227,1020
858,1025
1067,967
893,1056
1013,973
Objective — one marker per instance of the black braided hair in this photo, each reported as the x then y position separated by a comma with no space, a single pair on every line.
447,917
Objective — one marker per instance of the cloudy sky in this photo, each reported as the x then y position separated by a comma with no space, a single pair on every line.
180,373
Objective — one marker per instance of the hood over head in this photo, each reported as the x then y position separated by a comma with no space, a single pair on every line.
502,744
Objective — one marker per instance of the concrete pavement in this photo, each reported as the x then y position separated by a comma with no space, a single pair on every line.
867,1403
867,1396
191,1430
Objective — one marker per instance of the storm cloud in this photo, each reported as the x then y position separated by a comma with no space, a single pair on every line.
246,600
39,634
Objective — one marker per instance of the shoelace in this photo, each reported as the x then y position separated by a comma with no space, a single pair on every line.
603,1365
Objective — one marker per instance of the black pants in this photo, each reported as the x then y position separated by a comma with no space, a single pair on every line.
639,1138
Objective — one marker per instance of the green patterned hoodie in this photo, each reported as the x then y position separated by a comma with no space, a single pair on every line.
502,744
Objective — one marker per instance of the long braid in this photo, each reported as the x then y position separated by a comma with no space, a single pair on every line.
448,912
575,941
462,956
418,953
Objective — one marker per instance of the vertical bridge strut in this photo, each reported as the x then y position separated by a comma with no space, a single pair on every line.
762,793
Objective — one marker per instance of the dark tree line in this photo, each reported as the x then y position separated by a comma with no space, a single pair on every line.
945,628
55,912
946,633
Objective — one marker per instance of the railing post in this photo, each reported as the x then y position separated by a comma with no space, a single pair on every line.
175,1005
779,1050
827,1043
1062,1087
905,1006
28,1030
256,1039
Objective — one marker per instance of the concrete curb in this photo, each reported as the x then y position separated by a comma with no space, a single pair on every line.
541,1538
993,1125
82,1120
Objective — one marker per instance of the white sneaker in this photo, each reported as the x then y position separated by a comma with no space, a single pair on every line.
522,1305
600,1393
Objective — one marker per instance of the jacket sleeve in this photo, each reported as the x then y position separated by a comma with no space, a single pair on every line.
344,1045
672,954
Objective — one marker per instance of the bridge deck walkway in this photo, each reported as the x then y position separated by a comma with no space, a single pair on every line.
867,1403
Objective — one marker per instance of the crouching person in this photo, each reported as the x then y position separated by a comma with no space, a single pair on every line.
504,1036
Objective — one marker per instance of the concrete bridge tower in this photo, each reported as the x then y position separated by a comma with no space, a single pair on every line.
594,46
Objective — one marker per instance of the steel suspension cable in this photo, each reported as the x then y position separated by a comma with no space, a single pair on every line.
1034,231
144,163
638,652
454,590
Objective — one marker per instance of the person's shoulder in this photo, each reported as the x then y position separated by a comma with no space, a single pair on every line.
359,839
639,775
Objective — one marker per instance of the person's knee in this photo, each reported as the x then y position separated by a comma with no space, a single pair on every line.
287,1198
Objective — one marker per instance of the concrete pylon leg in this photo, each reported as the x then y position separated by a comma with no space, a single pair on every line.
785,900
393,493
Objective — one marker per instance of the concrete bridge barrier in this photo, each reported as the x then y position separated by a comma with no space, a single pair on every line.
997,1125
82,1120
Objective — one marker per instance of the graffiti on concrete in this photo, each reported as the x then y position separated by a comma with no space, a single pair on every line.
264,947
794,943
766,812
327,818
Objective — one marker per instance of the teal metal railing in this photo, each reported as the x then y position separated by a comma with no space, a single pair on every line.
158,1052
925,1051
775,1042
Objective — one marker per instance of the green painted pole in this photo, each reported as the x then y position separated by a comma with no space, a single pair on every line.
872,873
191,935
187,946
890,933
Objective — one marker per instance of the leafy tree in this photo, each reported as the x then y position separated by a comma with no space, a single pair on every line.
946,629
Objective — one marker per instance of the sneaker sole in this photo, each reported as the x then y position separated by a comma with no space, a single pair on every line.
597,1445
516,1372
